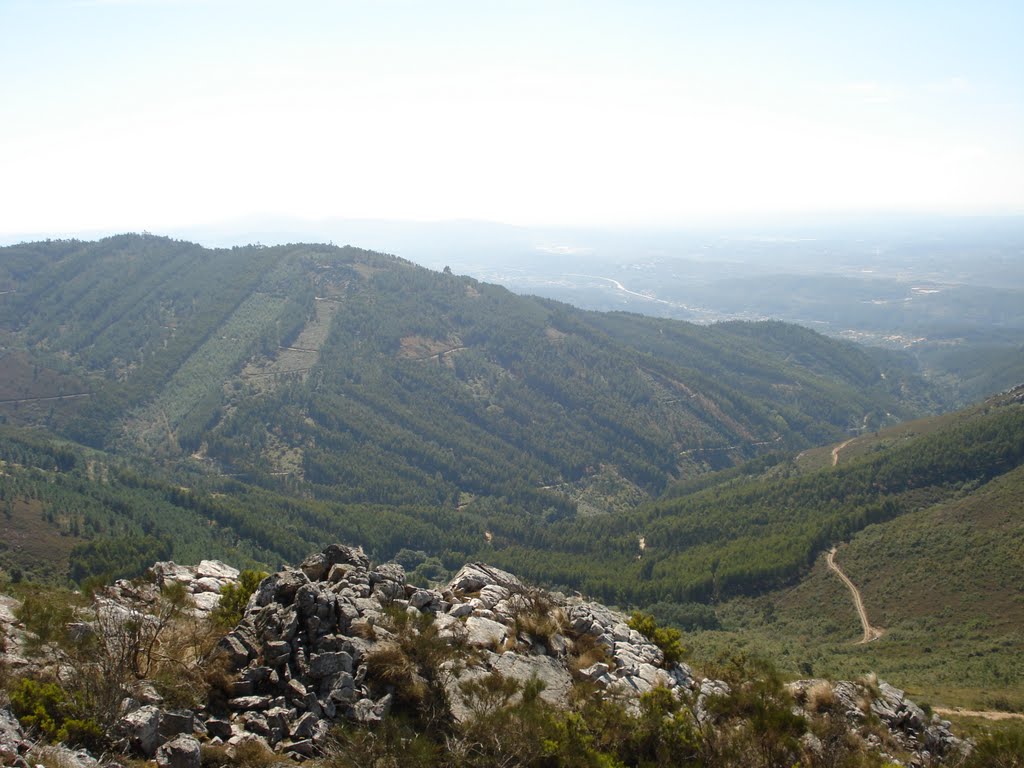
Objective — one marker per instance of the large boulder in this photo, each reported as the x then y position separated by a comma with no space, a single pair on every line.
473,577
552,676
485,633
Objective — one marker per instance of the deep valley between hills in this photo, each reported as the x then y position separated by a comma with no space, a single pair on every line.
165,401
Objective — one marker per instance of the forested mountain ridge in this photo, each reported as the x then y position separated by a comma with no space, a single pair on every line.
345,395
356,377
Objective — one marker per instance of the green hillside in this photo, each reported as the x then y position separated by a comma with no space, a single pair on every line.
945,583
355,377
165,400
754,528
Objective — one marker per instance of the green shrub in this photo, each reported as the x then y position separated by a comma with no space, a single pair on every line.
688,617
234,598
56,715
669,640
83,732
46,614
754,724
39,706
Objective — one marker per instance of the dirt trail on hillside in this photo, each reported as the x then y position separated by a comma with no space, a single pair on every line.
870,632
984,714
837,449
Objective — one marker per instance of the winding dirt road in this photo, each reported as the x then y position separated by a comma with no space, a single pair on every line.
870,632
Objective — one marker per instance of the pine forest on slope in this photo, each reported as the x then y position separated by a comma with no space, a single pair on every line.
360,377
332,392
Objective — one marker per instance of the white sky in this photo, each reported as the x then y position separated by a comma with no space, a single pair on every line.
143,114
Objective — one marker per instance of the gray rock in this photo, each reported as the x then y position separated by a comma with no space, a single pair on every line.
140,730
276,652
339,571
256,675
255,722
484,633
461,609
595,671
340,553
295,690
302,748
170,572
175,722
370,711
144,693
305,726
421,598
245,738
180,752
315,566
280,588
207,584
279,723
654,677
249,703
11,736
217,570
558,645
682,675
218,728
327,664
388,572
205,602
234,649
59,755
556,681
492,594
475,576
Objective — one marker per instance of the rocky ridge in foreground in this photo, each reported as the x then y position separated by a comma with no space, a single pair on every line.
338,640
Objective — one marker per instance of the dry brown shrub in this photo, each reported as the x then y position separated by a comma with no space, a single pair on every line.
535,614
821,697
586,651
390,665
251,753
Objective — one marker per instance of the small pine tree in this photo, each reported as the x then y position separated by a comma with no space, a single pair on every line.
234,598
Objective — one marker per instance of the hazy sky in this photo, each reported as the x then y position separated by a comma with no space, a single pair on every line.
143,114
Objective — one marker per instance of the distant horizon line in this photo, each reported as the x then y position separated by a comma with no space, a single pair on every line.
250,224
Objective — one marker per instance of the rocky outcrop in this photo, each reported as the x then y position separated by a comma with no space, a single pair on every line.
202,583
300,656
906,724
315,644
